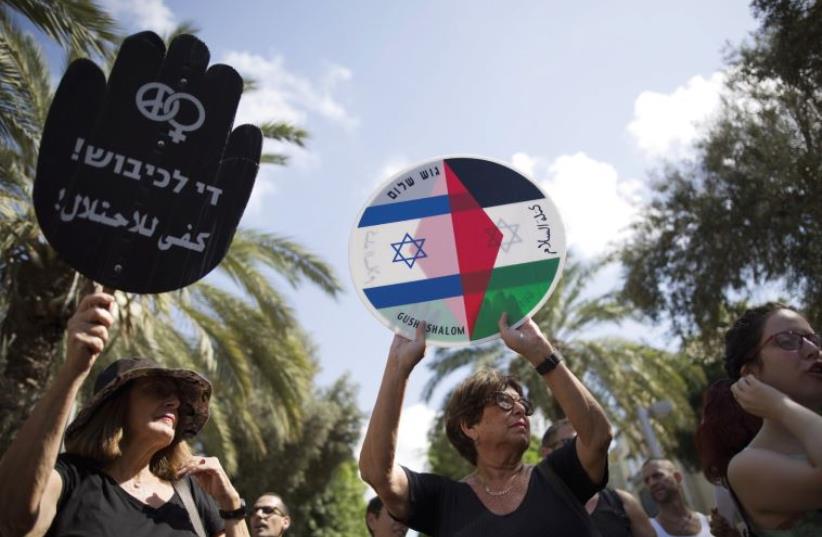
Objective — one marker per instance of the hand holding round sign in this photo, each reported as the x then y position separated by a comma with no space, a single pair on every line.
455,242
140,181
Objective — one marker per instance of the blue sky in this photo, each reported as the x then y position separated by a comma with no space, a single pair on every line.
585,97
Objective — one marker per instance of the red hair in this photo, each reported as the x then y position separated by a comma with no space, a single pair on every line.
724,430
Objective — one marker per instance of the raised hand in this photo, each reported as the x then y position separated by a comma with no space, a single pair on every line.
140,181
406,352
527,340
212,478
757,398
87,331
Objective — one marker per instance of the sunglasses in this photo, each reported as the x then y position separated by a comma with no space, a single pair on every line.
789,341
506,402
267,510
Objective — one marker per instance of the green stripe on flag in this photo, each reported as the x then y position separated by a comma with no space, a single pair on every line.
515,289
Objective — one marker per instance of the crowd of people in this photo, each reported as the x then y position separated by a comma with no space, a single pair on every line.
127,467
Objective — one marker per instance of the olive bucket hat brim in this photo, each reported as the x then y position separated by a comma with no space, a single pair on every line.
194,392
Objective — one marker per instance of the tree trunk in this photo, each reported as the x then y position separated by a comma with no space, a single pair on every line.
31,333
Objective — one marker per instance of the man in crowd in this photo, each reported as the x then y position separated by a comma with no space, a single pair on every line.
269,516
614,512
380,523
664,481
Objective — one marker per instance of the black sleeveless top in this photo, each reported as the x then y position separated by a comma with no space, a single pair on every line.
609,516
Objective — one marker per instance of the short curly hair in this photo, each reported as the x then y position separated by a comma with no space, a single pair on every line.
466,404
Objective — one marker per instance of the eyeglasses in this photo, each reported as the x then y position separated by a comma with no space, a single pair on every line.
267,510
789,341
506,402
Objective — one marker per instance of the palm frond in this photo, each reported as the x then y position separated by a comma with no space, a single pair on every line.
284,132
286,257
77,24
274,158
24,91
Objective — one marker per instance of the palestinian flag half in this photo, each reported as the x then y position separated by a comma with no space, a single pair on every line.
455,242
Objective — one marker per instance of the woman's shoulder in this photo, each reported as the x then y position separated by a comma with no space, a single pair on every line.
759,459
76,464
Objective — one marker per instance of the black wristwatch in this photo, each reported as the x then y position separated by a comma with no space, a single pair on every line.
236,513
549,363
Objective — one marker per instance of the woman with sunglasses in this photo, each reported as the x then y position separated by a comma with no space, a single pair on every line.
487,421
127,468
760,432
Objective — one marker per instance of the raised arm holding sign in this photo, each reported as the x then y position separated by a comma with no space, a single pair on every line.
141,182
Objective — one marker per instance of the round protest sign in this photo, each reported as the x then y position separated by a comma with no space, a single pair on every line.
455,242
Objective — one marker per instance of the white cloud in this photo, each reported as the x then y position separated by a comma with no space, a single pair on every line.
284,96
412,437
666,125
596,205
281,95
143,14
265,186
391,166
525,163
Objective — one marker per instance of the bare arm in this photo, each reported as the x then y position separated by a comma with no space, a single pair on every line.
640,525
765,401
773,487
29,485
377,466
585,414
212,478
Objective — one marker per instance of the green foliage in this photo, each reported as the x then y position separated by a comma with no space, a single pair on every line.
77,25
339,511
738,217
314,471
443,458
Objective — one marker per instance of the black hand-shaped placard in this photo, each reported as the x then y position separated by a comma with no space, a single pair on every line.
141,182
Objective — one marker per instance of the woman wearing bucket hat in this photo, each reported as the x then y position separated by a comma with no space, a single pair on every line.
127,469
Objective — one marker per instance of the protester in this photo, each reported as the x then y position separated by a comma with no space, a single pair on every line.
126,463
487,422
380,523
614,512
760,433
664,481
269,516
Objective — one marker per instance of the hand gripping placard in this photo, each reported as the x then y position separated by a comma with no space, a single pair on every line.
140,181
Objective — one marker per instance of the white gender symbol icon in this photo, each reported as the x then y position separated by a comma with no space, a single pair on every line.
159,102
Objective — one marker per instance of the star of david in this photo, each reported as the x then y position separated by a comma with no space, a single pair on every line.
493,238
408,240
513,236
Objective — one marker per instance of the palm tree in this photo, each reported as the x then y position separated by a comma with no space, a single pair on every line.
622,375
79,26
242,333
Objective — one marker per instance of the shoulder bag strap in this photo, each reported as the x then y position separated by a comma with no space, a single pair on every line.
184,491
562,489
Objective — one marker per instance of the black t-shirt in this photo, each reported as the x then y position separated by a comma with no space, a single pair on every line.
442,507
610,517
92,504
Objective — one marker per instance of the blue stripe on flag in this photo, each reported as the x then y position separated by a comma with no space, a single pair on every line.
399,294
404,210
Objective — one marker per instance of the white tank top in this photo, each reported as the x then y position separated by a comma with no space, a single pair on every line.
704,528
